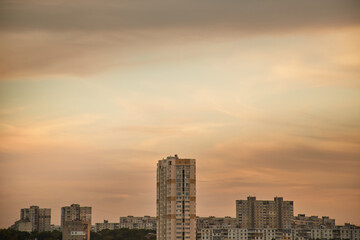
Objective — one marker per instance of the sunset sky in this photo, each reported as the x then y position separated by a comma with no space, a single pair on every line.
265,95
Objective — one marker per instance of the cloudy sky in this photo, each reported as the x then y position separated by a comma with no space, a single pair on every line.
264,94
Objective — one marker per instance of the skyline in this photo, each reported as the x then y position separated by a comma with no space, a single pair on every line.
266,98
107,219
210,216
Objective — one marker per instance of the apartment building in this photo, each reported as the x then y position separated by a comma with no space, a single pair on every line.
252,213
313,222
106,225
132,222
339,233
76,222
244,234
176,199
75,212
34,219
76,230
23,226
216,222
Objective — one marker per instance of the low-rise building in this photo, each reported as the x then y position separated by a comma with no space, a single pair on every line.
216,222
106,225
23,226
338,233
55,227
321,234
349,231
313,222
132,222
76,230
244,234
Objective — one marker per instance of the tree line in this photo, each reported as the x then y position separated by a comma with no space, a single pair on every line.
118,234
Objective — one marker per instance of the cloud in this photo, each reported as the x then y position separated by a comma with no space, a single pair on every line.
80,38
293,167
241,16
290,154
248,88
35,134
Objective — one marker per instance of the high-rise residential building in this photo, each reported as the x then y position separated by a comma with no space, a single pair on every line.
44,219
176,199
75,212
39,218
252,213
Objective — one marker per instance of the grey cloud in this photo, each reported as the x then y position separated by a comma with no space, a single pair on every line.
242,16
82,38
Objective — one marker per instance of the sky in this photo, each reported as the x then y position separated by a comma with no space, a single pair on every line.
265,95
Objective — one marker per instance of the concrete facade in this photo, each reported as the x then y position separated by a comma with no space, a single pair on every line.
106,225
311,222
244,234
40,218
338,233
75,212
132,222
23,226
252,213
216,222
76,230
176,199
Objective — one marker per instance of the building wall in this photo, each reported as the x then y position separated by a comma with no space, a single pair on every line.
244,234
75,212
340,233
310,222
216,222
76,230
252,213
40,218
106,225
132,222
176,199
44,219
23,226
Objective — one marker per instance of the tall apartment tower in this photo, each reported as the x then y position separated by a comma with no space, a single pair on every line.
252,213
75,212
40,218
176,199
